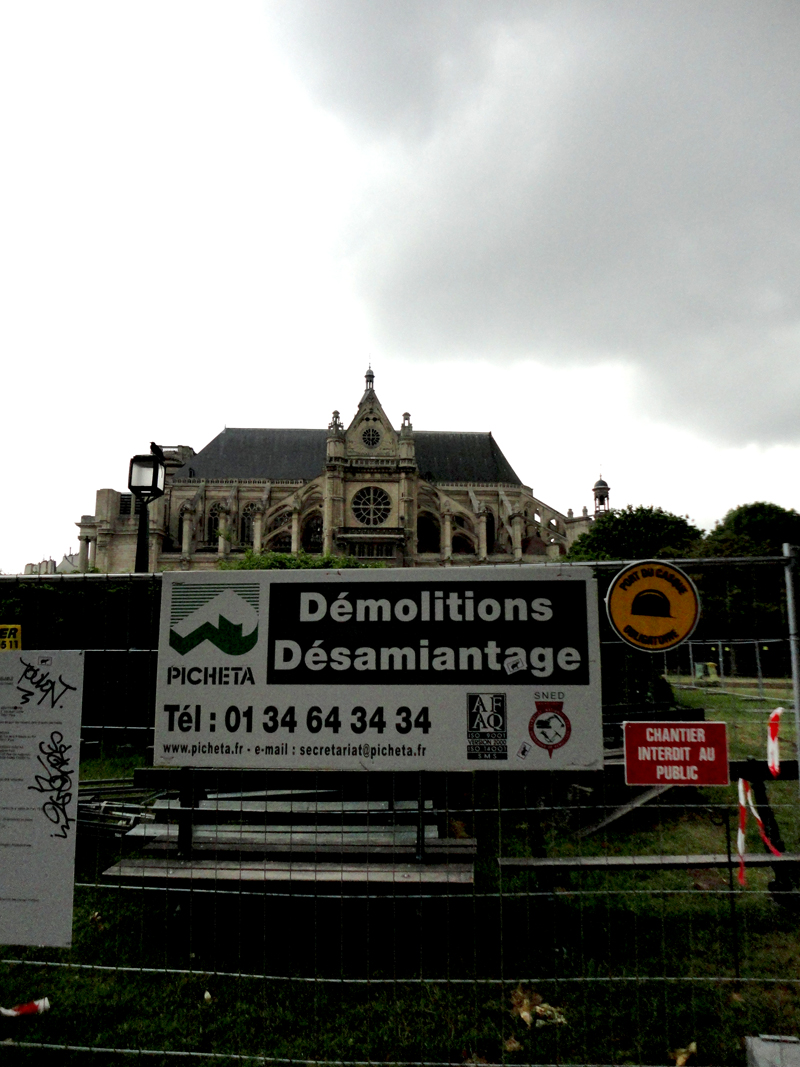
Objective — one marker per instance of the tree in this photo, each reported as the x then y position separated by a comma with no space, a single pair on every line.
747,601
636,533
759,529
272,561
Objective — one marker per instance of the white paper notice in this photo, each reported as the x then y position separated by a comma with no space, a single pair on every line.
40,722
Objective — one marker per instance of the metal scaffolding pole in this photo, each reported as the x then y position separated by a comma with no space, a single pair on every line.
790,551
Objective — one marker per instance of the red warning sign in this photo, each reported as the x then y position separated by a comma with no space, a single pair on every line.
676,753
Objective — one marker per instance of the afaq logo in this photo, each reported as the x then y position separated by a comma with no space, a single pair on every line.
549,727
486,713
487,730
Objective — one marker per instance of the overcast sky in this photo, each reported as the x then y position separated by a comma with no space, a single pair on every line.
574,224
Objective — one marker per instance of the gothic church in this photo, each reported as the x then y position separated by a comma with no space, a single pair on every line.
403,497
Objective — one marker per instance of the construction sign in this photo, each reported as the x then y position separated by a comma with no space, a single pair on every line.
676,753
10,638
653,606
456,670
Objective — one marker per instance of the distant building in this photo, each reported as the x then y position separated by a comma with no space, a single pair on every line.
47,566
68,565
407,498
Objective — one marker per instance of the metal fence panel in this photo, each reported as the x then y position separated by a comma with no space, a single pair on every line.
425,919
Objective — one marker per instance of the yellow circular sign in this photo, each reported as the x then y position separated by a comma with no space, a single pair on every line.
653,605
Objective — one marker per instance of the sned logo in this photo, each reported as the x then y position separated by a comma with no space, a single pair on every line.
224,615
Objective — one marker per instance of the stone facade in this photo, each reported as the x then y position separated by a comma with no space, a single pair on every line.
400,496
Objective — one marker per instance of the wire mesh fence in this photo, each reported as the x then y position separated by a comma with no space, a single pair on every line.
436,918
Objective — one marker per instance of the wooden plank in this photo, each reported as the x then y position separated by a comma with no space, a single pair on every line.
296,808
352,784
622,863
157,868
302,815
278,794
757,770
166,839
280,836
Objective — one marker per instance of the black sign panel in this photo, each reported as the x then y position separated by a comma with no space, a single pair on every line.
476,633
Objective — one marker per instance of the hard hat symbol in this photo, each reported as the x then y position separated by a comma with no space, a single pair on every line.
651,602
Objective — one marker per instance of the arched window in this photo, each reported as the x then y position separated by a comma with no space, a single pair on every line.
534,546
490,531
312,534
246,524
212,523
428,537
283,518
281,543
184,516
462,545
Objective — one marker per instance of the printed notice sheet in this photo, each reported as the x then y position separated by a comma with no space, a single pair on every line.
40,720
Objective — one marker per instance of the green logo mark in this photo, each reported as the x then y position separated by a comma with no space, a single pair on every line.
228,637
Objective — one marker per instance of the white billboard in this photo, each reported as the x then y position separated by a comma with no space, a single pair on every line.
40,740
453,669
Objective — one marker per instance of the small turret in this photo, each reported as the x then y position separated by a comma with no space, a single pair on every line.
408,452
369,378
601,492
335,445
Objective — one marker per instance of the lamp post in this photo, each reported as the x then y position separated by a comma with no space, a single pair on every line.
146,482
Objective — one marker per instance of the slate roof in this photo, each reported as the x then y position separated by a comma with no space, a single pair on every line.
300,454
462,457
274,454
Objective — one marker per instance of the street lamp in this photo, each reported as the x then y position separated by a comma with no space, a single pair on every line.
146,482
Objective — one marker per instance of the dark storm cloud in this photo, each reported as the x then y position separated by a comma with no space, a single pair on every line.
578,182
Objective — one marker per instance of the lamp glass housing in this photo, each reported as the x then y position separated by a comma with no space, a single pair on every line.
146,477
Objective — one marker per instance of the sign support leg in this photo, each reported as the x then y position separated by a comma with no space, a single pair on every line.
420,857
186,800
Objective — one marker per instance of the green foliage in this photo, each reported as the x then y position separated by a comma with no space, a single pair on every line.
759,529
286,561
112,764
636,533
747,601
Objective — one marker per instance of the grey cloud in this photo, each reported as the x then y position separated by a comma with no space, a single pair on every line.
385,65
582,182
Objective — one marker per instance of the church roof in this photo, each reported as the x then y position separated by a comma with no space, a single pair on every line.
273,454
301,454
462,457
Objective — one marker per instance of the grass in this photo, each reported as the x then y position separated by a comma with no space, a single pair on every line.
112,765
746,719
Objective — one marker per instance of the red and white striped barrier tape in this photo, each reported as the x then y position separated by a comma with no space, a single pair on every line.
773,750
745,801
33,1007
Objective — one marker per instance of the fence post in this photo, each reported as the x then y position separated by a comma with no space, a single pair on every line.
760,673
790,552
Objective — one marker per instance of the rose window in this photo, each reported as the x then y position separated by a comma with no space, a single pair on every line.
371,506
371,438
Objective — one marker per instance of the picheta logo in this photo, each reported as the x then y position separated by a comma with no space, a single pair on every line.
224,614
487,729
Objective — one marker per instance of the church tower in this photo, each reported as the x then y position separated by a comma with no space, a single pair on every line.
371,515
